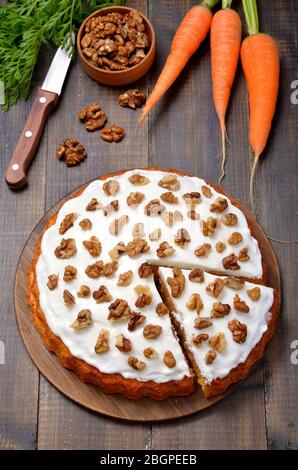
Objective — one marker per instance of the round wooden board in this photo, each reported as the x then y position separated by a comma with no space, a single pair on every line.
89,396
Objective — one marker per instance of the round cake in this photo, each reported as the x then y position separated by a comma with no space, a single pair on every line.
150,282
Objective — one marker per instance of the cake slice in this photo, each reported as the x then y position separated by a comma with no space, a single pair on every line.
224,323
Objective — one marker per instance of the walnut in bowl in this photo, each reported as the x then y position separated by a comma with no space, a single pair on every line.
116,45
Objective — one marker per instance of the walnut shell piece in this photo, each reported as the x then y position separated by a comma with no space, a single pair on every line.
169,359
93,246
135,363
196,275
119,310
218,342
220,310
195,303
67,223
83,320
215,288
83,292
125,279
68,298
151,331
70,273
176,283
112,134
66,249
132,99
123,344
150,353
239,331
101,295
102,343
164,250
254,293
219,205
136,319
240,305
93,117
71,152
52,281
170,182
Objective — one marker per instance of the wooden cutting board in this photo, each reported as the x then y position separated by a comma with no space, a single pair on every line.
89,396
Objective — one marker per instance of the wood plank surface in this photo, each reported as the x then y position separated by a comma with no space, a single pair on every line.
182,132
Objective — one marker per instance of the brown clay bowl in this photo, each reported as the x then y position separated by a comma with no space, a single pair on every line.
121,77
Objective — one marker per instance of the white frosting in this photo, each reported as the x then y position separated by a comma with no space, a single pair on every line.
234,353
81,343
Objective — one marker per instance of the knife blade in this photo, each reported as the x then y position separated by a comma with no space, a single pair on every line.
45,101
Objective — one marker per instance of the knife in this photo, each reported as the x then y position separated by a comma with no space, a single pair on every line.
45,100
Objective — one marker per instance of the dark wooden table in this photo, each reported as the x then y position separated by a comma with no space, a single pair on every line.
181,133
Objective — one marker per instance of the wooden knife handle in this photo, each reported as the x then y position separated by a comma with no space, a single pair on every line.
28,142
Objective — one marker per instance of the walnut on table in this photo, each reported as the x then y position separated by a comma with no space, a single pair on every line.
71,152
112,134
132,99
92,116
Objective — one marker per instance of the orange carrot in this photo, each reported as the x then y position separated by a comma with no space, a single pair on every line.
191,32
225,39
260,62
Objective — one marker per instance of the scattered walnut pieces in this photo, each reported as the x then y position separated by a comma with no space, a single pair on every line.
135,198
210,357
176,283
66,249
235,238
111,208
192,198
70,273
182,238
145,270
101,295
161,309
67,222
102,343
136,246
154,208
169,359
93,246
218,342
170,218
68,298
243,255
52,281
135,363
117,224
110,268
239,331
117,251
206,191
254,293
195,303
215,288
125,279
202,322
138,180
136,319
155,234
150,353
123,344
111,187
169,197
152,331
86,224
165,250
220,310
230,262
209,226
169,182
234,282
196,275
132,99
94,270
138,231
83,320
203,250
229,219
219,205
93,205
71,152
198,340
83,292
144,296
240,305
93,117
220,247
119,310
192,215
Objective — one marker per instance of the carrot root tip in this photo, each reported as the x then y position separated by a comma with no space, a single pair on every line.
223,143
